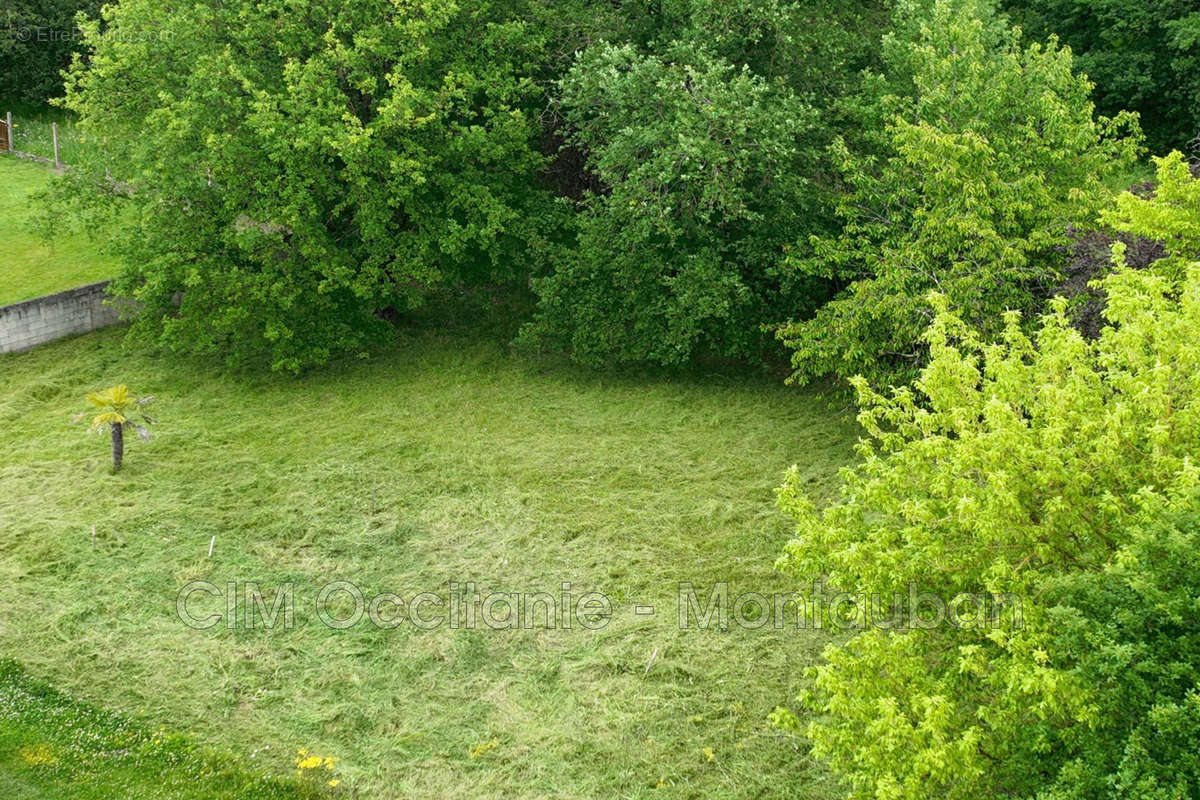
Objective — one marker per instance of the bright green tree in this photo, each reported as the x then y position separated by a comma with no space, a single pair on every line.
989,154
1056,469
1142,56
1169,215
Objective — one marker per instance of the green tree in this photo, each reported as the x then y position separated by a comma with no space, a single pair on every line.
294,170
705,133
699,160
38,39
988,154
1142,56
1170,215
1054,468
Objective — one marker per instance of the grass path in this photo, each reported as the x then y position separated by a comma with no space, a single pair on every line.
29,267
445,461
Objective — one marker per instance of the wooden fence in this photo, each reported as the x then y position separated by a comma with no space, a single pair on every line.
8,142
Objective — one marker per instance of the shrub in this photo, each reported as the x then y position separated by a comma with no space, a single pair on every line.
1058,469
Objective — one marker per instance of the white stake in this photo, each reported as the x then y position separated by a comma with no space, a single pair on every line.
211,542
650,663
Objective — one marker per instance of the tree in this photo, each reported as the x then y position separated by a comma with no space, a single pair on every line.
1144,57
705,133
988,154
293,172
1169,215
117,411
700,161
1054,468
37,43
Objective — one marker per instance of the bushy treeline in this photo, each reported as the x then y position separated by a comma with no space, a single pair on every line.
667,180
38,39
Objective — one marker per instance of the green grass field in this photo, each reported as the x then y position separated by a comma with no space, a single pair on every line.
445,460
29,267
52,746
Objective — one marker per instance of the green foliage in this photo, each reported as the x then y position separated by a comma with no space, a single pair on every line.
1130,634
706,134
294,170
1169,216
1054,468
989,153
1142,56
117,407
702,165
38,39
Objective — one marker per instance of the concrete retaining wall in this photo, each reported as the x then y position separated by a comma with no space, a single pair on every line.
44,319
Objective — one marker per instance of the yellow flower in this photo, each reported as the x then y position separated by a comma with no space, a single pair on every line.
480,749
709,754
38,755
334,782
309,763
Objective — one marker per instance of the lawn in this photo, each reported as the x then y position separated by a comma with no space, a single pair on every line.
54,746
444,461
29,267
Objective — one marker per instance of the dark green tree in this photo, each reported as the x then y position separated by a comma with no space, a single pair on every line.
706,135
38,39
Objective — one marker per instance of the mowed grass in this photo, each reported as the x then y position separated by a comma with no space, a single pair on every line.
52,746
29,267
444,461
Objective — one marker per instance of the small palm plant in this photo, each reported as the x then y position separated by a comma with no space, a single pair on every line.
117,407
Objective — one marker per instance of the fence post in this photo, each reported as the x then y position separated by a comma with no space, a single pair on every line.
12,140
54,135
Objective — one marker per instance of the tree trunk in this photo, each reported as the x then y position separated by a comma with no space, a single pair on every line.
118,440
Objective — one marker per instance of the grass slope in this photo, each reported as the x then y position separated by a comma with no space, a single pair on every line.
28,266
443,461
54,746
